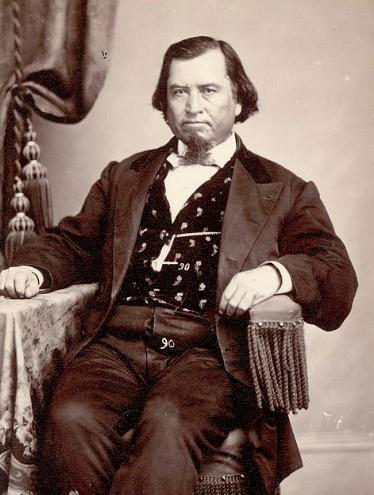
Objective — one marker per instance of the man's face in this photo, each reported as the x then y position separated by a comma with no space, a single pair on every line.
201,103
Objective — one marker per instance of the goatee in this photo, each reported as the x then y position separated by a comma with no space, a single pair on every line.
197,149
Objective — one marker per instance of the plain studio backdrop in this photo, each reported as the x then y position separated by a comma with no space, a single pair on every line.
312,64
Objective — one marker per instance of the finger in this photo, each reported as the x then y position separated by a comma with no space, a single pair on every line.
32,287
228,293
235,300
245,304
240,303
20,283
223,303
3,276
233,303
9,284
230,310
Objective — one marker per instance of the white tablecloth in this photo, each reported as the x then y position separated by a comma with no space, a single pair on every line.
34,336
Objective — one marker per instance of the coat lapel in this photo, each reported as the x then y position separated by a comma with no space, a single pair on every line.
131,195
248,207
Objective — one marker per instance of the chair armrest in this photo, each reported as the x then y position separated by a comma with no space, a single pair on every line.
277,308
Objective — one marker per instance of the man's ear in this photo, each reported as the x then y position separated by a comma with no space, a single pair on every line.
238,108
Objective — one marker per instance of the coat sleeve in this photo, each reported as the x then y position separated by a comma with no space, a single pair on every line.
71,252
324,281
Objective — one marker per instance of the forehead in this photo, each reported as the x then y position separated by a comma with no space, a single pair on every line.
210,67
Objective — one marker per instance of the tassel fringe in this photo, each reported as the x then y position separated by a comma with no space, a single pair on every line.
278,364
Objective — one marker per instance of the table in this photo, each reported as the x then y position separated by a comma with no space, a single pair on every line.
34,336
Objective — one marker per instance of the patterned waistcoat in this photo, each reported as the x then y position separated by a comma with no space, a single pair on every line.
187,278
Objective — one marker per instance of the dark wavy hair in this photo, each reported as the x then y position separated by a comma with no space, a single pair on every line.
243,88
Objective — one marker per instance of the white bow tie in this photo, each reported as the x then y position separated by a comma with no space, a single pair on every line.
179,160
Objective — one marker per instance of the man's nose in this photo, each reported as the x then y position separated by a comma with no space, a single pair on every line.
194,102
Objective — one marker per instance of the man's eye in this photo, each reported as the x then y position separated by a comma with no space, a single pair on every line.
209,91
178,92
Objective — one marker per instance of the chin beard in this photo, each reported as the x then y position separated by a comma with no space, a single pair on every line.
197,148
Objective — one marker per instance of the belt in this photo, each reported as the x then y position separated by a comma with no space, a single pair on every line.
167,330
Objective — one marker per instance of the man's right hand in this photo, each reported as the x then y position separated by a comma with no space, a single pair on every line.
19,282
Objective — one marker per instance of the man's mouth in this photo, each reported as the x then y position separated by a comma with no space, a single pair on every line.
195,123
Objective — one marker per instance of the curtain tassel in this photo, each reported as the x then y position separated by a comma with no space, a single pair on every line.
37,186
21,227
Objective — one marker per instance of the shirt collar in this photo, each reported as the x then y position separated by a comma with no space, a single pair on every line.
220,154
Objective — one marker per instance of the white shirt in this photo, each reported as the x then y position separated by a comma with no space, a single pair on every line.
182,181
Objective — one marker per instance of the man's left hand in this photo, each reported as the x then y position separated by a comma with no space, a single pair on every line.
249,288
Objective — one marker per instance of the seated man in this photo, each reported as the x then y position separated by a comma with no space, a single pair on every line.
184,240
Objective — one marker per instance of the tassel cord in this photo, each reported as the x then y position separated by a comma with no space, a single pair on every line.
275,345
253,358
277,396
265,372
293,386
295,353
285,374
301,351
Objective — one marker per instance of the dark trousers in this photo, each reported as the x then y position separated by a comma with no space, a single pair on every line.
185,404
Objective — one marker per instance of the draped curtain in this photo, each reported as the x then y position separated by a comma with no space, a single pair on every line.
59,49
